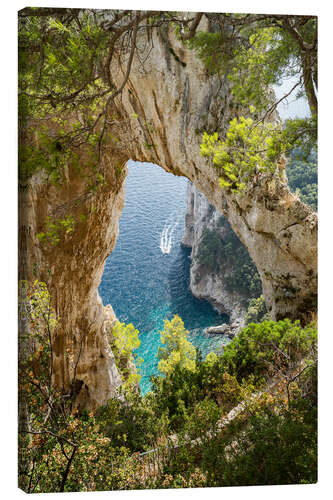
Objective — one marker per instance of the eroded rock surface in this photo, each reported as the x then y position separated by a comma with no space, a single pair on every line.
72,269
176,102
206,283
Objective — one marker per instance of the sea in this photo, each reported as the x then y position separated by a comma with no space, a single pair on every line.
146,278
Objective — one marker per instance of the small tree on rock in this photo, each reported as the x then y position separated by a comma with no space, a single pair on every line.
178,350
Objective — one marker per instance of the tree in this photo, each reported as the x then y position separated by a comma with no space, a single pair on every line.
255,52
303,177
260,50
178,351
256,311
210,249
65,81
65,58
60,447
124,340
263,349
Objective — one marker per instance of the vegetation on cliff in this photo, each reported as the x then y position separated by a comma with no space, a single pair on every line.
303,177
256,311
227,256
262,50
177,350
267,376
64,65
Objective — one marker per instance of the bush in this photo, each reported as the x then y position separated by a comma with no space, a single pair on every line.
256,312
259,347
273,448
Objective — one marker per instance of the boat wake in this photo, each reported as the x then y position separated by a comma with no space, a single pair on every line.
167,235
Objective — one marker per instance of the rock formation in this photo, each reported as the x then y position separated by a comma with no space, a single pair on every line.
167,102
72,269
207,283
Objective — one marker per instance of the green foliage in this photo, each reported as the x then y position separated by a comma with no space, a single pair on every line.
48,155
276,446
258,346
228,255
303,177
61,449
178,394
259,53
203,417
256,312
133,424
60,77
61,59
210,249
263,63
55,228
36,310
247,148
208,47
125,339
271,441
252,66
255,55
178,351
245,452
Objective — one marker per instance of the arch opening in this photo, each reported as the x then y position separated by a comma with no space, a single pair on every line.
146,278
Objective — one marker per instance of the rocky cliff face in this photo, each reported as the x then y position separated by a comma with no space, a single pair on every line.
205,282
72,269
169,103
166,104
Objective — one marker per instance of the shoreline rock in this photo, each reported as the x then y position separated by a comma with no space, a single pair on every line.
229,330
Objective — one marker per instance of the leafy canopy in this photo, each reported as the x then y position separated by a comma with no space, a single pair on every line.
255,52
178,351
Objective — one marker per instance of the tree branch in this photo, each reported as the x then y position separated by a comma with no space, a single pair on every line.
193,27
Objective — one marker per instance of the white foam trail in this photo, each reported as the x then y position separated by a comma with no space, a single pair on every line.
167,235
164,237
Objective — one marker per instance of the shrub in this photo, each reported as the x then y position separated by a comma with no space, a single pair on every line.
258,347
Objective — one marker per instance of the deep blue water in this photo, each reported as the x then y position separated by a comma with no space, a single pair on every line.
146,278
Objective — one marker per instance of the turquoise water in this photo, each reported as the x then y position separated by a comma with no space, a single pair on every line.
146,278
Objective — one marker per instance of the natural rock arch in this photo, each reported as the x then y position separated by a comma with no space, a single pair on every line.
170,102
166,104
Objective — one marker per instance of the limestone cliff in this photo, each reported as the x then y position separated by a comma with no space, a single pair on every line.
207,283
72,269
159,117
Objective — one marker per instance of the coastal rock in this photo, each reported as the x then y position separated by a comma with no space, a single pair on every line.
225,329
206,283
220,329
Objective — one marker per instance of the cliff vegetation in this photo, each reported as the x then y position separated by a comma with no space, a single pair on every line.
251,410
